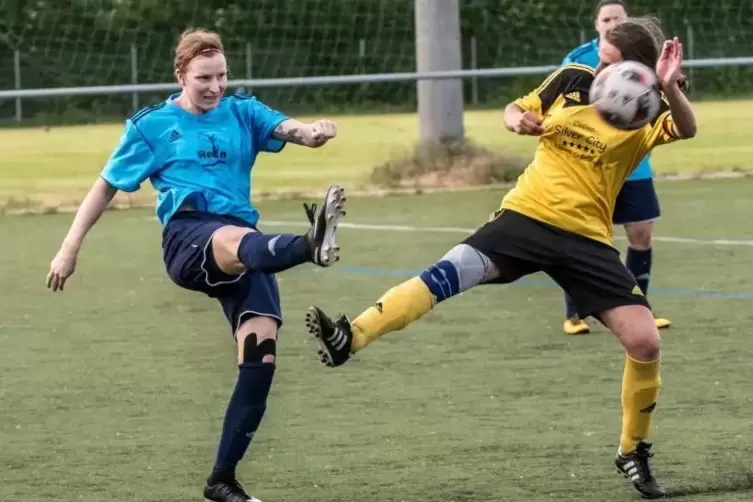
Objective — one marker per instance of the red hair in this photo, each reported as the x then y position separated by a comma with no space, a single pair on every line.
195,42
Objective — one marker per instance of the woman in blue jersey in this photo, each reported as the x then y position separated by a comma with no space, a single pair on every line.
637,206
197,148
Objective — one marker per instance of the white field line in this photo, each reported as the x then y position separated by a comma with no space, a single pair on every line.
466,231
461,230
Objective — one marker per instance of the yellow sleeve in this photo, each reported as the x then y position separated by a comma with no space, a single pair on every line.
662,129
541,99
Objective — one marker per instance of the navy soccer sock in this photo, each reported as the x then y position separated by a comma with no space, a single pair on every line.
244,414
273,253
639,264
570,309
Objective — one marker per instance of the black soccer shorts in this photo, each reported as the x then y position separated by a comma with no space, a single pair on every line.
590,271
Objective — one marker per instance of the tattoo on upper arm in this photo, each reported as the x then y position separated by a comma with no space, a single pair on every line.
286,132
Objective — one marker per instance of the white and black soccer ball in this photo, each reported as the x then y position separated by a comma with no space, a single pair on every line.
626,95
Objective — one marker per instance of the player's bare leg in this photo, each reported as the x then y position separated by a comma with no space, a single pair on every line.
237,249
256,339
635,328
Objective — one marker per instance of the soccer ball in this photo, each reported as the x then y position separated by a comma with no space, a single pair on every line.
626,95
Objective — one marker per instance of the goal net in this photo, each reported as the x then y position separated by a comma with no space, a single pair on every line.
80,43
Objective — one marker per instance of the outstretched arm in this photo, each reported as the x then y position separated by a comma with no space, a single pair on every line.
92,207
312,134
683,116
668,69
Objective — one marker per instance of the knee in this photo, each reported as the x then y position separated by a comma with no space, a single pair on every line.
257,341
225,244
461,268
639,235
228,237
643,345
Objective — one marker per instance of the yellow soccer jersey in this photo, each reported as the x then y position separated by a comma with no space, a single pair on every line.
581,162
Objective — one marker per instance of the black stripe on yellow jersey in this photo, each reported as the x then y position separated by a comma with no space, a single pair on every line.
581,162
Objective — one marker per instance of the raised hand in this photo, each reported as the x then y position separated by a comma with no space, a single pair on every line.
669,65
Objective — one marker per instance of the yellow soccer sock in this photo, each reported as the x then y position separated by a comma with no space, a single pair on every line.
640,390
399,307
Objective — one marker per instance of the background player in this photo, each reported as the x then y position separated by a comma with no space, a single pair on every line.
559,223
198,148
637,206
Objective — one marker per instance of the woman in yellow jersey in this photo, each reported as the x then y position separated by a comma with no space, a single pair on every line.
558,219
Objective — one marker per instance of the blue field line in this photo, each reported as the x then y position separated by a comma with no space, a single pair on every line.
698,293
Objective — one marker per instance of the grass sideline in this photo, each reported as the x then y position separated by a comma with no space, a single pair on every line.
51,168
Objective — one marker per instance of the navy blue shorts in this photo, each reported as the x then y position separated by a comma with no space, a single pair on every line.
637,202
190,264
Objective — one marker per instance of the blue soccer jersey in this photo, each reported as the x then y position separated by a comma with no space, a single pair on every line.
588,54
202,160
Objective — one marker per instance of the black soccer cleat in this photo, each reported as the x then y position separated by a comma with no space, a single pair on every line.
324,221
227,491
634,467
334,338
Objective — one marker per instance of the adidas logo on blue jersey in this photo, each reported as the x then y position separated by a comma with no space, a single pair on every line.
174,135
